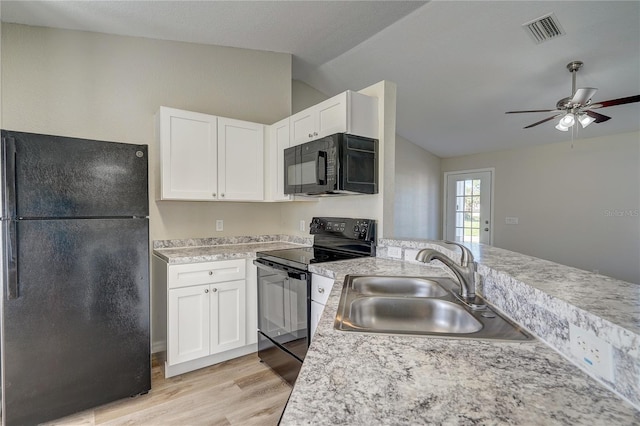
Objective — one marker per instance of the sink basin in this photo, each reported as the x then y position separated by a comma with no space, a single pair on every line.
411,315
421,306
397,286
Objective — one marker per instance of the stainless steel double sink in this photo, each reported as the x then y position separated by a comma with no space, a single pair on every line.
418,306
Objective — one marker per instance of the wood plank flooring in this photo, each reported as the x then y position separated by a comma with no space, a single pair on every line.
241,391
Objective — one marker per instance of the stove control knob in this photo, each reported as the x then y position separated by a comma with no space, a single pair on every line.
356,228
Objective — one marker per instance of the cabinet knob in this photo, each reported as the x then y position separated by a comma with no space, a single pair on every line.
210,272
214,289
315,133
206,290
310,135
320,290
222,195
214,194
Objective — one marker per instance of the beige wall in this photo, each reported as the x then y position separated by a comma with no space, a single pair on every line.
360,206
304,96
577,203
417,192
107,87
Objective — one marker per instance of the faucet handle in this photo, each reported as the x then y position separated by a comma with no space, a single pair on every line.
466,257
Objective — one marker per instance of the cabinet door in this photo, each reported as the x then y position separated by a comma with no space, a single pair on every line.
331,116
189,324
278,142
188,155
316,313
303,126
240,160
228,316
251,294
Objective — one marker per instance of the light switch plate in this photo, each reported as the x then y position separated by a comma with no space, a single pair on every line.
511,220
394,252
594,354
219,225
302,227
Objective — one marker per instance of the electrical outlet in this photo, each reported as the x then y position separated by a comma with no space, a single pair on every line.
394,252
410,255
511,220
219,225
593,353
302,227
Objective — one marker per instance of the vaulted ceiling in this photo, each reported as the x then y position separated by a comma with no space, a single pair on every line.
458,65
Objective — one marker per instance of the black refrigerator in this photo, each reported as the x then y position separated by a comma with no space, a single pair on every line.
75,291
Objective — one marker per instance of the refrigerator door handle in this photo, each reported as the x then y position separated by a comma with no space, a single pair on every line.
11,270
9,177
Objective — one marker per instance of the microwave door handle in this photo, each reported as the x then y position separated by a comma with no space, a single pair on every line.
321,168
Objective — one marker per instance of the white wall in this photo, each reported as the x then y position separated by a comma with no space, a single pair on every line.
417,192
577,203
360,206
107,87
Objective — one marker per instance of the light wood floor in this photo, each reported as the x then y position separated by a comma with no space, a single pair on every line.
241,391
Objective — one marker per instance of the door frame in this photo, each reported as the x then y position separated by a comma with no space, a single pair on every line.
445,193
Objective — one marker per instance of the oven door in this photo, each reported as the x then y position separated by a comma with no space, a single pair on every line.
310,167
283,304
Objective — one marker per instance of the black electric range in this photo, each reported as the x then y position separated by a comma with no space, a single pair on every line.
284,288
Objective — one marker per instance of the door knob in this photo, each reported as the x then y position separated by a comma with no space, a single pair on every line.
486,229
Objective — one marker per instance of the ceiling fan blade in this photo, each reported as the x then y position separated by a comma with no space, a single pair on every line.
541,121
599,117
619,101
533,110
583,95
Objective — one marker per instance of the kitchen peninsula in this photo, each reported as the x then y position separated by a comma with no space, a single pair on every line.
354,378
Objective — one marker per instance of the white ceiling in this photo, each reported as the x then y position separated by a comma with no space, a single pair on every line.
458,65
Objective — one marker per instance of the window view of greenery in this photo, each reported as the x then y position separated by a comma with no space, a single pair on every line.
468,211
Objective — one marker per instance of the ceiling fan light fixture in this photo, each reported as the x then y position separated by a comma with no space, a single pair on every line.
585,120
562,128
568,120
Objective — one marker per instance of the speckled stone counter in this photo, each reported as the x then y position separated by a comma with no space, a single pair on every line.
366,379
547,297
212,249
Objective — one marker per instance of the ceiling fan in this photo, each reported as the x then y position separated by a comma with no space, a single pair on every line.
578,107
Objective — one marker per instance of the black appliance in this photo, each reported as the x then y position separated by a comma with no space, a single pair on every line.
75,293
334,165
284,288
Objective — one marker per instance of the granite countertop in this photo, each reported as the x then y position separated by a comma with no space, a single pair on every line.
358,378
187,251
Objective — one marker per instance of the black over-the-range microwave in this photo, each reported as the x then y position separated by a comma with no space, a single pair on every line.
334,165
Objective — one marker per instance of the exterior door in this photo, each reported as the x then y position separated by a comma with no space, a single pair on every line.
468,206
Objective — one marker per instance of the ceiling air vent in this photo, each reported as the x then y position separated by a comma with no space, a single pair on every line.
544,28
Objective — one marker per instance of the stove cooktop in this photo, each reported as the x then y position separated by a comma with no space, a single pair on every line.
334,239
307,255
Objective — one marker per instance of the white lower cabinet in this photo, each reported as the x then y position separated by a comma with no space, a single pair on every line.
209,313
320,289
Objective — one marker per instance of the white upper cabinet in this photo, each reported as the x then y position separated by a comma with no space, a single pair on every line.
188,149
209,158
348,112
278,142
240,160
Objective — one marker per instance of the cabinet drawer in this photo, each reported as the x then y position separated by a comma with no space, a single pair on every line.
321,288
206,273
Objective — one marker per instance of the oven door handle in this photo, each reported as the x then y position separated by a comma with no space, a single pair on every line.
291,273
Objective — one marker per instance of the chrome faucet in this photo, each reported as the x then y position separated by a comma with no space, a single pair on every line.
465,272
